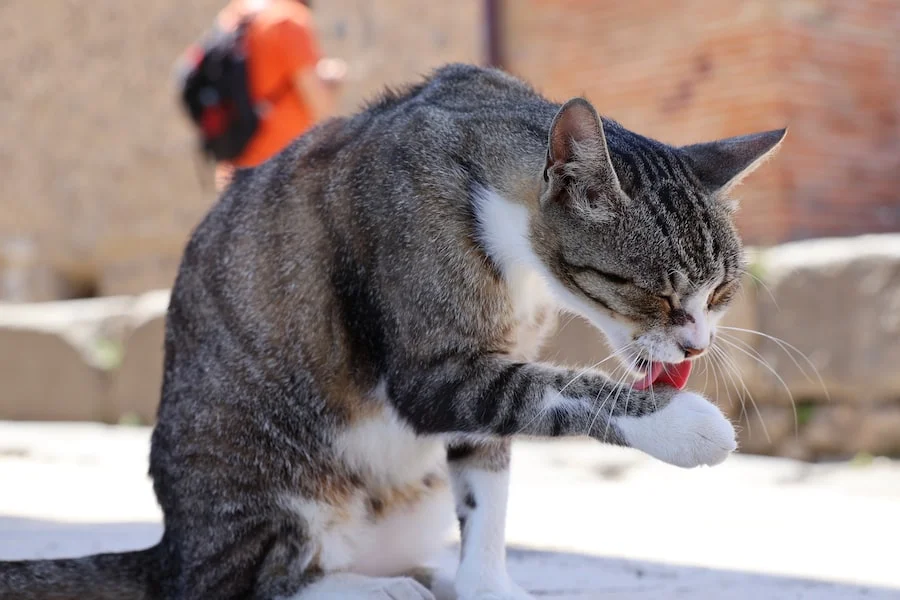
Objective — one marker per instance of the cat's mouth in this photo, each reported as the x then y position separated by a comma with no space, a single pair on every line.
658,373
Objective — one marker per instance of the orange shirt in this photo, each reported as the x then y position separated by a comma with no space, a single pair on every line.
280,43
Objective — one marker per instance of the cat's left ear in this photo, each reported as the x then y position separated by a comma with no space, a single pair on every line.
722,164
577,148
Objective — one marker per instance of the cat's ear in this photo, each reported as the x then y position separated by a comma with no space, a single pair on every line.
722,164
577,147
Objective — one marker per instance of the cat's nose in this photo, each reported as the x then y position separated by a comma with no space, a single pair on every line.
690,351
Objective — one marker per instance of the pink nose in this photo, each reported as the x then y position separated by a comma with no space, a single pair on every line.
690,351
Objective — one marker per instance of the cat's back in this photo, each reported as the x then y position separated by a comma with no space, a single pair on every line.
348,190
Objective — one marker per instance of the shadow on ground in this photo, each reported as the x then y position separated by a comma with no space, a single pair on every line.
563,575
546,574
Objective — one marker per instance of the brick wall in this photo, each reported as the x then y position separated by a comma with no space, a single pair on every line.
690,70
839,71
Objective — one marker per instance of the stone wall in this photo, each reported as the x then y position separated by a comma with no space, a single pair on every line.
824,385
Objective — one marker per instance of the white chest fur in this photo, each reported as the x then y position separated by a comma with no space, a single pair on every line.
504,233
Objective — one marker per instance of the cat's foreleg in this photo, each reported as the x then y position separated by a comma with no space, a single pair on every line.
499,397
486,399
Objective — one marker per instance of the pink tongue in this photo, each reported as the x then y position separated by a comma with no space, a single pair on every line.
675,375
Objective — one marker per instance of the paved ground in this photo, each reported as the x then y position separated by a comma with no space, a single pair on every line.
585,521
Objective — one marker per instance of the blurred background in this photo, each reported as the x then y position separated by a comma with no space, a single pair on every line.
101,187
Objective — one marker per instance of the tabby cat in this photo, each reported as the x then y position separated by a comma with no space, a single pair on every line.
353,335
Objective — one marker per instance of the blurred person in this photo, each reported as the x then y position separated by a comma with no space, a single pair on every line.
290,85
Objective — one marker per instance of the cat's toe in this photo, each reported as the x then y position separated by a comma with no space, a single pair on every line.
688,432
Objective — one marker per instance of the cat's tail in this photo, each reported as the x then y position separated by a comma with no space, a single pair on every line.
123,576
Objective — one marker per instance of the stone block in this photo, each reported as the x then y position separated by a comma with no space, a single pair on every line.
833,431
47,378
762,430
879,431
837,302
136,384
54,356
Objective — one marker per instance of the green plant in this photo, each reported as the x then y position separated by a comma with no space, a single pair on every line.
805,411
107,353
131,419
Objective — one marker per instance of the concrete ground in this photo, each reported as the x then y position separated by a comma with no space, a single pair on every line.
585,521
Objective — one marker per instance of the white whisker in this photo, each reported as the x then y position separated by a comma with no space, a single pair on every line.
784,347
585,370
764,286
760,360
616,386
728,361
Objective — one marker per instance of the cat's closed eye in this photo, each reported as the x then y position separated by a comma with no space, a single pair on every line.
602,274
667,302
722,294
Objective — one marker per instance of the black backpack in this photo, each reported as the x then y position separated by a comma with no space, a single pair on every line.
215,92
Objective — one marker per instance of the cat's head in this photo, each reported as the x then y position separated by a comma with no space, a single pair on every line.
638,236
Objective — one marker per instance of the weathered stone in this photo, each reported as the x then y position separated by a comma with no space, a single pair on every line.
792,447
136,384
833,430
879,431
55,358
47,378
762,429
45,373
838,302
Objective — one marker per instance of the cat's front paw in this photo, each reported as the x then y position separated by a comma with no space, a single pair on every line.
688,432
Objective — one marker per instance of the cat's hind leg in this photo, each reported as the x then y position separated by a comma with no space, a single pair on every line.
275,559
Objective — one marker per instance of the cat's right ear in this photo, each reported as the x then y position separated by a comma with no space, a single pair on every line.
721,165
577,149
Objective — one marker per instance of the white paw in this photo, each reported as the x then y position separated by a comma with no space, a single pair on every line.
346,586
688,432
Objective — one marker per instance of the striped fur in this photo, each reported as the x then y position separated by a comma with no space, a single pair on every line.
353,331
